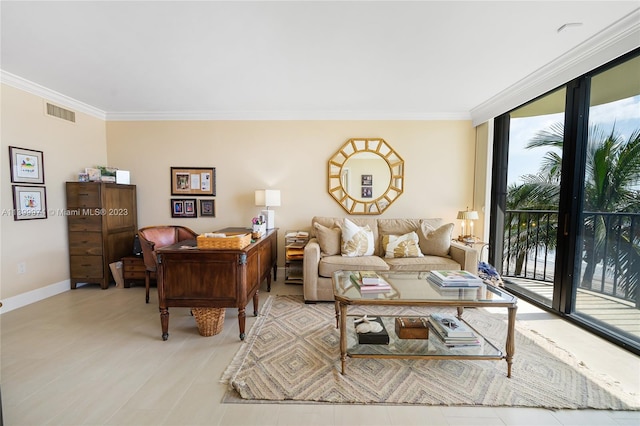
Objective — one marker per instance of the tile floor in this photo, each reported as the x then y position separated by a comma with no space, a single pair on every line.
95,357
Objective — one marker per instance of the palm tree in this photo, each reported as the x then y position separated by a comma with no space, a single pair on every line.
612,184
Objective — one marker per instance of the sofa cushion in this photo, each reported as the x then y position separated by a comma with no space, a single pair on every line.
401,227
330,264
401,246
328,238
356,240
426,263
435,242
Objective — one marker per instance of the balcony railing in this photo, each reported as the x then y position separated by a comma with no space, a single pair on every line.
610,250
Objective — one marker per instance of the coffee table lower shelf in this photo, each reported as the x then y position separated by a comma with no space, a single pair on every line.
431,348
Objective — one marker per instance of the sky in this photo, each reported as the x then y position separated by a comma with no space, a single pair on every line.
625,114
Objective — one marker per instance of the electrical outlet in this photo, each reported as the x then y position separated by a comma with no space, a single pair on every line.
22,267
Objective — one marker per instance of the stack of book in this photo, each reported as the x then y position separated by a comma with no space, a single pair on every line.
454,279
370,282
452,331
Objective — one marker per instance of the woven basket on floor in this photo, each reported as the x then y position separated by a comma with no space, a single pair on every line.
209,320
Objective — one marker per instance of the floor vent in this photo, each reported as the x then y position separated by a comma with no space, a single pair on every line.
65,114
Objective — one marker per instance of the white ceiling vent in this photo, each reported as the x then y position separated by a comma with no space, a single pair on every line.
65,114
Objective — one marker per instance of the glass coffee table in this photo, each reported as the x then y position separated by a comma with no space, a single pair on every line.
414,290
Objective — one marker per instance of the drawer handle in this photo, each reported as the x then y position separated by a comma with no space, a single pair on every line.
83,194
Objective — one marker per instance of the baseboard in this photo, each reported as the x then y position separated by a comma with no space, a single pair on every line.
24,299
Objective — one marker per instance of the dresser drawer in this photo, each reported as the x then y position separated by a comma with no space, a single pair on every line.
85,223
86,267
85,243
83,195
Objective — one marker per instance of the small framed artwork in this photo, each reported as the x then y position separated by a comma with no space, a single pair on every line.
27,165
184,207
208,208
367,180
367,192
193,181
29,202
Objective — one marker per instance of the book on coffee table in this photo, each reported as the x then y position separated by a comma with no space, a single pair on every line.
454,278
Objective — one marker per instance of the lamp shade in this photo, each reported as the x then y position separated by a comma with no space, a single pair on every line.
267,197
468,215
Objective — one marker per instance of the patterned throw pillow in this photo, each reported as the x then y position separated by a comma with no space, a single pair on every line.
356,240
436,242
328,238
401,246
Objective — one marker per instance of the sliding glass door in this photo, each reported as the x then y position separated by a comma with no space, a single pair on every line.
608,261
565,223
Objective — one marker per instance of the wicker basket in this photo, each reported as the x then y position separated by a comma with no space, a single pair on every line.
209,320
230,242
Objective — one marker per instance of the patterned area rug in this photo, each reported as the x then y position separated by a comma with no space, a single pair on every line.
292,354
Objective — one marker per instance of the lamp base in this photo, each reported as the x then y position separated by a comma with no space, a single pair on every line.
270,218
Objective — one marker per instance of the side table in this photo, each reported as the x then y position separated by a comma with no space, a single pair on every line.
294,254
133,270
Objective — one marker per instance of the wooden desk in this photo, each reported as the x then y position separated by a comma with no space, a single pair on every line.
195,278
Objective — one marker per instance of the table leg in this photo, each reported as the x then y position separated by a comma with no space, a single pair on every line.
337,314
460,311
241,321
511,340
343,335
164,321
255,304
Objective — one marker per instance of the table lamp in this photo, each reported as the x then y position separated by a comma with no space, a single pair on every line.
268,198
466,225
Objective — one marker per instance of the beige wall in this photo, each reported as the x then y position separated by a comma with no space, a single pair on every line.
67,149
287,155
290,156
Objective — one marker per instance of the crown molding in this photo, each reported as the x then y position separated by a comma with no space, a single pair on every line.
51,95
614,41
284,116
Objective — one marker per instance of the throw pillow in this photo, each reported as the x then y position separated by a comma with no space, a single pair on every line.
328,238
435,242
401,246
356,240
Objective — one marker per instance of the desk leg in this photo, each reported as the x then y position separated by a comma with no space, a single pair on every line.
343,335
275,271
164,321
511,340
241,321
255,304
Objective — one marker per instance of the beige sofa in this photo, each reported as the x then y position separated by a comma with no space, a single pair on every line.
322,255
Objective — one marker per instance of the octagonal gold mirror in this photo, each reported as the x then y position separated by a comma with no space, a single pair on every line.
366,176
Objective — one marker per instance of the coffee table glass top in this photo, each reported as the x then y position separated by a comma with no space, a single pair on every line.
414,286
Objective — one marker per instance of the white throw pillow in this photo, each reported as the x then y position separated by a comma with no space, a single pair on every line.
356,240
401,246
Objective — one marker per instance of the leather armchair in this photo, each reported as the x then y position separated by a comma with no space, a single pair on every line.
155,237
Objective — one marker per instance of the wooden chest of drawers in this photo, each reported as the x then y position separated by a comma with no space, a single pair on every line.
102,220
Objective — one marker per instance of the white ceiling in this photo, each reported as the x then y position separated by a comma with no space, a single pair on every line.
292,59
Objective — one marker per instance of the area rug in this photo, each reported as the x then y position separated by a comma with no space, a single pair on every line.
292,354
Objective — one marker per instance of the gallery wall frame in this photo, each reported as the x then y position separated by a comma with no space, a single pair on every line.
27,165
200,181
184,208
29,202
208,208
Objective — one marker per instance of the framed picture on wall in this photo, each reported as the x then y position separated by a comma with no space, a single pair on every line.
367,192
184,207
29,202
193,181
367,180
27,165
208,208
